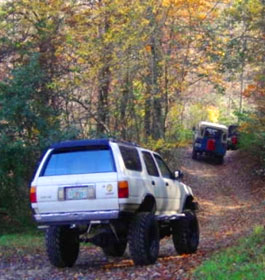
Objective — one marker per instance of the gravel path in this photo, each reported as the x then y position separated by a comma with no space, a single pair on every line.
229,207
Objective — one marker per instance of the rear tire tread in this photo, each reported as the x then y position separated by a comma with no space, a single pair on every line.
62,245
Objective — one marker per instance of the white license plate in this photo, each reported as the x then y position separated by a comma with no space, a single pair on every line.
77,193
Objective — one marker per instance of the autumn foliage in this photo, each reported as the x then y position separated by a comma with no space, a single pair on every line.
145,71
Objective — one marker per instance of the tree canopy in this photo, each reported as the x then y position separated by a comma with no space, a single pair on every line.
145,71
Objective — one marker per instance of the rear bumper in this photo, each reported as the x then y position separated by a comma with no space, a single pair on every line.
211,153
76,217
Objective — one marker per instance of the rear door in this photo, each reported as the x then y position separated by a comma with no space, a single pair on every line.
155,181
79,179
171,186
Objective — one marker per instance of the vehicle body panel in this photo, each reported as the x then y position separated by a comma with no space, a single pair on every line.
84,197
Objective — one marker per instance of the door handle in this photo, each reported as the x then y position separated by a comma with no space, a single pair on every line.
153,183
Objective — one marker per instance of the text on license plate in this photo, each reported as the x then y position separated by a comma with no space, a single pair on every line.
76,193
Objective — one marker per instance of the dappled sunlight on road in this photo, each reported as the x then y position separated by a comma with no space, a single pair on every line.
215,207
201,173
122,263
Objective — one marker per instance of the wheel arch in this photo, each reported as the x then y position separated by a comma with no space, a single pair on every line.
148,204
189,203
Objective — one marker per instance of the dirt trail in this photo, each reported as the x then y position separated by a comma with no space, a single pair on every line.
229,208
230,205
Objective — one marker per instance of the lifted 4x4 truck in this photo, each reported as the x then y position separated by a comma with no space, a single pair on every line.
111,193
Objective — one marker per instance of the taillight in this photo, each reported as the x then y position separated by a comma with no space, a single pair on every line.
234,140
123,189
210,145
33,195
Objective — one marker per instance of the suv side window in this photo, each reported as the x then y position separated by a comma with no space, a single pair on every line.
131,158
166,173
150,164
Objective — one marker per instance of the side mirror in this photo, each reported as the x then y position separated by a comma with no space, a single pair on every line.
179,174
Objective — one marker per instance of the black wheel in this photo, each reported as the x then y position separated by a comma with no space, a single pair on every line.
185,234
144,239
194,154
220,159
115,249
62,245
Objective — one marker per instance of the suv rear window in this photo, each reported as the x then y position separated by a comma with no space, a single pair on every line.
131,158
79,161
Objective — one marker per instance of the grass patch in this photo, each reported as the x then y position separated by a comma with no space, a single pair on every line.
21,243
246,261
23,240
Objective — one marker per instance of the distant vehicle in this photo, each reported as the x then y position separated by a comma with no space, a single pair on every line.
233,137
210,139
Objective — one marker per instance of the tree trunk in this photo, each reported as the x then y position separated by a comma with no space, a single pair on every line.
125,91
104,77
147,113
103,94
157,120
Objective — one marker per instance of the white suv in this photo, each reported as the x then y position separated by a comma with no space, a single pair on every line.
109,192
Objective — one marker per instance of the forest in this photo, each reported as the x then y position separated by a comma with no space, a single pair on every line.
146,71
142,71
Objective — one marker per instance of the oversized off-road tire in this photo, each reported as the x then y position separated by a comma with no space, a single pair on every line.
115,249
62,245
194,154
186,234
144,239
